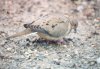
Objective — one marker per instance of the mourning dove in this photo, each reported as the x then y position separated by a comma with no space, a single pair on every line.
49,27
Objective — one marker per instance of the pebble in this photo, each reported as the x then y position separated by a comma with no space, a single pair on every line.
92,63
80,8
9,49
98,60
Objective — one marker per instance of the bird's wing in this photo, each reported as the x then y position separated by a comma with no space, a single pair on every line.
54,26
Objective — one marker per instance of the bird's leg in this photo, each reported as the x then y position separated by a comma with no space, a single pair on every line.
61,42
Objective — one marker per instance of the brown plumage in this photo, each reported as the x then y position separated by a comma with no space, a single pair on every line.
50,27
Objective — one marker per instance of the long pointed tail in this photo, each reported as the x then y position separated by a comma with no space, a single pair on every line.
24,32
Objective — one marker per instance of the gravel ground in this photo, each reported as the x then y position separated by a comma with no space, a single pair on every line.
23,53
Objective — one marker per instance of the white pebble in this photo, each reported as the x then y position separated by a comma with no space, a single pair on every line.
30,51
98,60
9,49
84,3
80,8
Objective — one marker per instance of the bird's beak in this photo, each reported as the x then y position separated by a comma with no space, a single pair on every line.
75,30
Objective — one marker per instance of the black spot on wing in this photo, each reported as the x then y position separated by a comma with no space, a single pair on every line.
53,26
28,25
25,25
47,24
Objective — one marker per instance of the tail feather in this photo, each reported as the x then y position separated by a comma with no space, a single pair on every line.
26,31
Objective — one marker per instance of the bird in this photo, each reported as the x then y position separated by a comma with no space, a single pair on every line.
49,27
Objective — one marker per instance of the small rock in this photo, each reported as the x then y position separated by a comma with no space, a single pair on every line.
98,60
9,49
56,62
92,63
30,51
80,8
